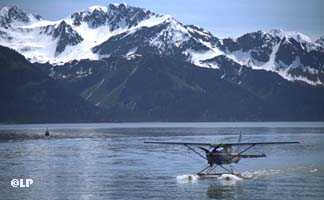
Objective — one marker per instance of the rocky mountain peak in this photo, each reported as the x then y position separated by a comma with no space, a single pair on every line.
10,14
66,36
114,15
288,35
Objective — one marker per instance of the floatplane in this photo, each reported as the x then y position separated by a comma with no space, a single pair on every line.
222,154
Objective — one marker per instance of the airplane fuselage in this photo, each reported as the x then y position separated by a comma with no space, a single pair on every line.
222,158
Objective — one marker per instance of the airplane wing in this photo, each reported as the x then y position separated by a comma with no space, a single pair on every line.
256,143
222,144
180,143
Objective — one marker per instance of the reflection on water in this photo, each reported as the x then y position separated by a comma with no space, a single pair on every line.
100,161
216,191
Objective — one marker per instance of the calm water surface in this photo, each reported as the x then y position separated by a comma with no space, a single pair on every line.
110,161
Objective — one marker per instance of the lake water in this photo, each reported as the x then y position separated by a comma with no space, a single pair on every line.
110,161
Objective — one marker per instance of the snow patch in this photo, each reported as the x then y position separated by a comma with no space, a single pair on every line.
241,57
198,57
175,34
131,54
98,7
202,33
291,34
245,58
153,21
96,88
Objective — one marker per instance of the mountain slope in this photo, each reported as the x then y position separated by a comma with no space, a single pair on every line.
159,88
29,95
143,90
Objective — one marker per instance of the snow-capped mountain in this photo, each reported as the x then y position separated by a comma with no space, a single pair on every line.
125,31
64,35
71,38
74,37
291,54
169,37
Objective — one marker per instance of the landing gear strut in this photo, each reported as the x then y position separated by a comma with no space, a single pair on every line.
211,170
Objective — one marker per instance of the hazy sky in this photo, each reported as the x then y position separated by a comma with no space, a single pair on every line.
222,17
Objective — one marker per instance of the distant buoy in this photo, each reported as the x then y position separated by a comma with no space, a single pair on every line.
47,133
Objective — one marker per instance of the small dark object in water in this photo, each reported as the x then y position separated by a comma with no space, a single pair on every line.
47,133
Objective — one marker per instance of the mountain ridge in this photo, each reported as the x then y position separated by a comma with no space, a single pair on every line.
88,29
